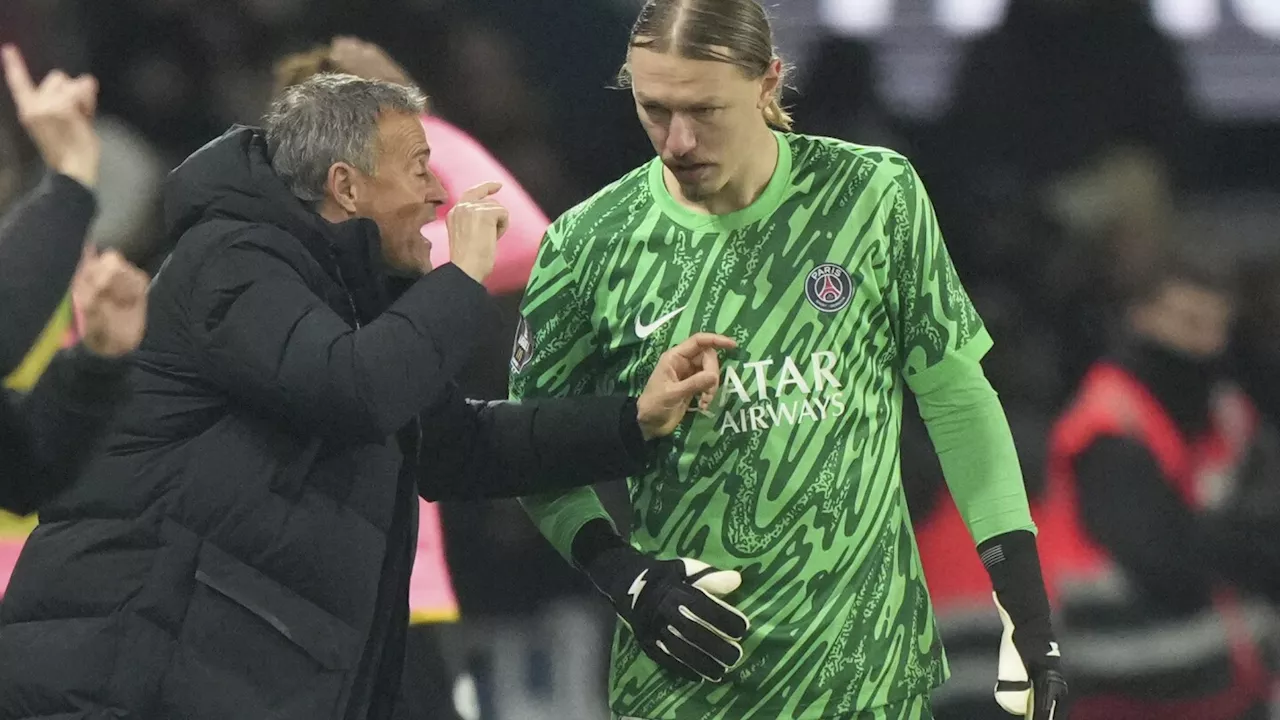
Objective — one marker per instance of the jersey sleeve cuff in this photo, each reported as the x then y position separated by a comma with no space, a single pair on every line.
560,516
959,364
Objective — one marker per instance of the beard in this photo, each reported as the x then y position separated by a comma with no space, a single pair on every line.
696,192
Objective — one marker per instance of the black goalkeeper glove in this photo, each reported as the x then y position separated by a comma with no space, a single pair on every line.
1029,680
672,607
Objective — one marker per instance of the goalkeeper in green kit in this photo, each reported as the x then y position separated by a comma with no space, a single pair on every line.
772,571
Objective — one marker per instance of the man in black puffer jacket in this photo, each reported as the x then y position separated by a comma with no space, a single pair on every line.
242,546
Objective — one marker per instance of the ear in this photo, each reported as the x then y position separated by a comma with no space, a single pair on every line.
344,186
770,82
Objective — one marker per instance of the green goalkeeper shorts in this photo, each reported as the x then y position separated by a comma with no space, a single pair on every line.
914,708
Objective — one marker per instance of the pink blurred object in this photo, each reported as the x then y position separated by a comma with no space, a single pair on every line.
10,549
431,597
461,163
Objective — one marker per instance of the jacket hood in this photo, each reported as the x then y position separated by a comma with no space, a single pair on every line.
231,177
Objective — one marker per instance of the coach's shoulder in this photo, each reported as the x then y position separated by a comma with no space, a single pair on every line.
226,253
211,241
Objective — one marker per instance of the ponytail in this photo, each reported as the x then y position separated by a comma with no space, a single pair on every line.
778,117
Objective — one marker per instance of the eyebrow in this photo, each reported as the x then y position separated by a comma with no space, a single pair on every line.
706,104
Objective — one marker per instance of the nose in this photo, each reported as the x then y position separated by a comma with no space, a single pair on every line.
680,136
435,189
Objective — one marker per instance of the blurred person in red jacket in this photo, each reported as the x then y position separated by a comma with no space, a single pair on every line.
1159,518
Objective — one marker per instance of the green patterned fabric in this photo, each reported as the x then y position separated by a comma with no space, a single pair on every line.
837,286
916,708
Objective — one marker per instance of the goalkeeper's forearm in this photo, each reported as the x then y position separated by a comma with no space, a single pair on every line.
975,448
560,516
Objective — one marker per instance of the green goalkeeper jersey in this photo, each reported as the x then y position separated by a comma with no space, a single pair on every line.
837,287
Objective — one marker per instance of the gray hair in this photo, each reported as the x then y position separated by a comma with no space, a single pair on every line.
331,118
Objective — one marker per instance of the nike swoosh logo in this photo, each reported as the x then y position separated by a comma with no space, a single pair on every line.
643,331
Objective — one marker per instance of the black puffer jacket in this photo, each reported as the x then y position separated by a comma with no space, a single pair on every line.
241,548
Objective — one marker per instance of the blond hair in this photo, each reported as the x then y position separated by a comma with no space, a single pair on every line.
732,31
776,115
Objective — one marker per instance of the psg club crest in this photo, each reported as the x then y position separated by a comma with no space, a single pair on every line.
829,287
522,351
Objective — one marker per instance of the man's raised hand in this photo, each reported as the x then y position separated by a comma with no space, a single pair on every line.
58,115
475,224
112,294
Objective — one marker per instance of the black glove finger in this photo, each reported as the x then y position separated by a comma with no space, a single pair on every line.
702,664
1050,692
715,613
725,651
658,652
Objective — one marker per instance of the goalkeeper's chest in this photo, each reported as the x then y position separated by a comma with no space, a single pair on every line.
806,327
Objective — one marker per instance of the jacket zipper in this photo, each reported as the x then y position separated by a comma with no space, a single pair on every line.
351,301
355,316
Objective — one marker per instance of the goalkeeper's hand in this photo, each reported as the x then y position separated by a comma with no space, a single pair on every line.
673,608
1029,682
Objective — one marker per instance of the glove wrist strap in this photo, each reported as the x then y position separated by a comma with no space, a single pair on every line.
1013,563
608,561
593,539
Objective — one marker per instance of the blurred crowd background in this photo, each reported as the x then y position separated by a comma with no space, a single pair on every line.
1067,145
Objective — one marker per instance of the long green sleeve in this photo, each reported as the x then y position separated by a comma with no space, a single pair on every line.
942,343
975,447
559,516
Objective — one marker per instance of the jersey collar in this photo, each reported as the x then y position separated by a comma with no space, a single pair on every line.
763,207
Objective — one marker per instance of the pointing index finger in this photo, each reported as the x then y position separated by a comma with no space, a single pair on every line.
480,192
698,342
711,364
16,74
